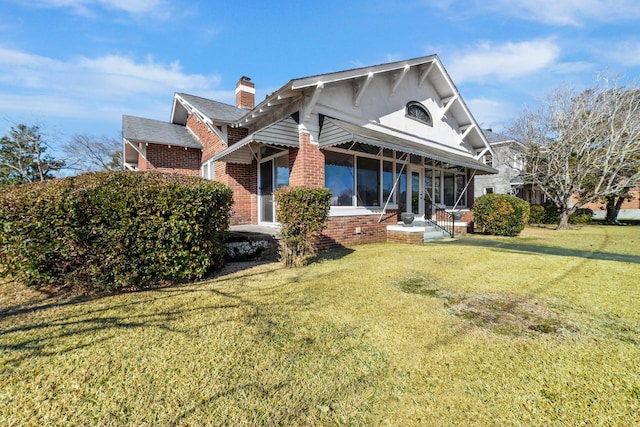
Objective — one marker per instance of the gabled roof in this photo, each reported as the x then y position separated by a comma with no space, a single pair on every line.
429,68
215,111
495,138
138,129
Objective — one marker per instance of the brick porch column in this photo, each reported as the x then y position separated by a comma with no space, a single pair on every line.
306,163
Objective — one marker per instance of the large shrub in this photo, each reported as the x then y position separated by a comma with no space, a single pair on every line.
112,231
550,214
500,214
303,212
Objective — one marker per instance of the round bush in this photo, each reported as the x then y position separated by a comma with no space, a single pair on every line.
113,231
500,214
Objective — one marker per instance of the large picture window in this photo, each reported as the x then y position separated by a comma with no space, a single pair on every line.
368,182
364,179
338,172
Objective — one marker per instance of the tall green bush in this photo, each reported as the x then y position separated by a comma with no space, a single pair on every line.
500,214
550,214
303,212
113,231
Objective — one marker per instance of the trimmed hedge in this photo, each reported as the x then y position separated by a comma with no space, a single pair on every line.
550,214
303,212
500,214
112,231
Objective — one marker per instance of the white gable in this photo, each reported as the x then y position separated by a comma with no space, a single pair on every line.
376,97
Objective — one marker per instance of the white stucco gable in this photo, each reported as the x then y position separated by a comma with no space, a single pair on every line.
376,97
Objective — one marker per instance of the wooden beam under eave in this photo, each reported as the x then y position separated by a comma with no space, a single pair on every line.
359,88
466,132
449,102
424,73
278,101
314,99
399,77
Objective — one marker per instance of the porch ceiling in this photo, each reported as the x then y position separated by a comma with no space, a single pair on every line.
335,132
283,133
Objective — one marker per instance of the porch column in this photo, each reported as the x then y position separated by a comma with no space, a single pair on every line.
307,162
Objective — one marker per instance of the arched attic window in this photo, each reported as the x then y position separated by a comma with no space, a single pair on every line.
417,111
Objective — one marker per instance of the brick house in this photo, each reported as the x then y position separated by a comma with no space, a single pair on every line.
384,139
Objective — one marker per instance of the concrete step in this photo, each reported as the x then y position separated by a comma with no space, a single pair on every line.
430,236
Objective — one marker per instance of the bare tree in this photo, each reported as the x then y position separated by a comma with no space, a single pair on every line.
85,153
582,146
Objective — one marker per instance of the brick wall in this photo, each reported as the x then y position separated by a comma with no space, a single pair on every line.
236,134
243,180
212,143
634,203
409,238
343,230
306,163
171,159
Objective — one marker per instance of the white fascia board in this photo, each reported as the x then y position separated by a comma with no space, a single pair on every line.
201,117
293,87
360,72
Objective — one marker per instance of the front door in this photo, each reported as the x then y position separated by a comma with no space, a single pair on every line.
415,195
274,173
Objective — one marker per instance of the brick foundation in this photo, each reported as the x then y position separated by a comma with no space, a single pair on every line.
401,237
355,230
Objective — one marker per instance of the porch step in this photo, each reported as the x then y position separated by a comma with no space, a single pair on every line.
432,233
248,244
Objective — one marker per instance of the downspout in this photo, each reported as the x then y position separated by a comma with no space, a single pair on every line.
393,189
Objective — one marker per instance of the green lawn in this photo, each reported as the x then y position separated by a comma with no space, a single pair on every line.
542,329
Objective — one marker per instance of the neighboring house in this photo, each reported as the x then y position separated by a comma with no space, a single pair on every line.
384,139
507,157
630,209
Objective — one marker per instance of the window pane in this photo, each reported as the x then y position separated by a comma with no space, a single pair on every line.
460,183
437,193
449,189
401,189
387,181
282,171
368,181
338,172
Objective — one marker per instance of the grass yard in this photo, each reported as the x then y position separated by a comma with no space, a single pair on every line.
542,329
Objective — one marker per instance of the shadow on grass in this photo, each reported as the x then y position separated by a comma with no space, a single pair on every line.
35,337
546,250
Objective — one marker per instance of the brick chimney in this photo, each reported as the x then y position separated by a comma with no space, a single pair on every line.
245,93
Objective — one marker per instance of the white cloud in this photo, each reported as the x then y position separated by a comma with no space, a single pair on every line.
567,12
626,53
503,62
490,113
103,87
109,75
87,7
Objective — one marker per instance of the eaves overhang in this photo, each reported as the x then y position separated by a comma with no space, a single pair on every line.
337,132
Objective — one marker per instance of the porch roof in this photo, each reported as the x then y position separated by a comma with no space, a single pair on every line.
283,133
336,132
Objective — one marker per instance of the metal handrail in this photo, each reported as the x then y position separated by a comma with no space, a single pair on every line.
444,221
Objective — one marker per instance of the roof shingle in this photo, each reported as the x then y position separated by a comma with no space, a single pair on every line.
139,129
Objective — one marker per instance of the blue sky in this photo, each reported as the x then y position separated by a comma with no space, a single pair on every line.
75,66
